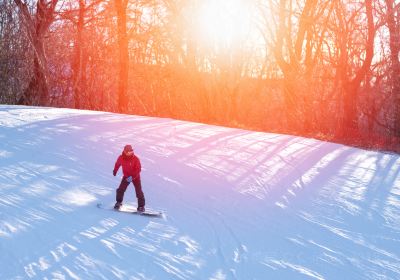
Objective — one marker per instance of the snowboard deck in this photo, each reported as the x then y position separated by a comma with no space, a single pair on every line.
131,210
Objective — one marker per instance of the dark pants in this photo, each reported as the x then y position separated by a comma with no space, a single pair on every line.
138,189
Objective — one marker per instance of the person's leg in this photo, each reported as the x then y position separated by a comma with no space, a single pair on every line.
139,192
121,190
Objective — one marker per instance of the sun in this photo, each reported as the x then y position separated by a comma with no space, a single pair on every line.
223,23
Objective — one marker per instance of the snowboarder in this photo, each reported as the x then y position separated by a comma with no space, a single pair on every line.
131,168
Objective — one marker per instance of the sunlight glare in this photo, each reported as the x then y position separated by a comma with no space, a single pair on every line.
224,23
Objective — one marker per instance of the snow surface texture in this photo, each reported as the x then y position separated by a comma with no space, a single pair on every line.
239,204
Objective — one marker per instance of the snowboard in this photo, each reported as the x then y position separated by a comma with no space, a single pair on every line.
132,210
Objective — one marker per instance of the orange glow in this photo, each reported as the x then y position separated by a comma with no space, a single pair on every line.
223,23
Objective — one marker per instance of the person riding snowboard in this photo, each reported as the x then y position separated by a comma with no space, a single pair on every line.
131,168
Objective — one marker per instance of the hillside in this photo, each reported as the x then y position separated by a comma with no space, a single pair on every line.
239,204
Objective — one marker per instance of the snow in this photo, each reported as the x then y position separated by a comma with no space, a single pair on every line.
239,204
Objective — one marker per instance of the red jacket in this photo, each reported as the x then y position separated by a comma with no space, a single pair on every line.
130,166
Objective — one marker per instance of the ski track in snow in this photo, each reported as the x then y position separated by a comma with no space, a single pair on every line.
239,204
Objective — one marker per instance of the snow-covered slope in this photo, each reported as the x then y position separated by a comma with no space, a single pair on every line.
239,204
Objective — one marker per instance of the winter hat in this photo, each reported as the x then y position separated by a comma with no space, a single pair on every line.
128,148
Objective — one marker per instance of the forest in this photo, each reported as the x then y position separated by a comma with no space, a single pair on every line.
325,69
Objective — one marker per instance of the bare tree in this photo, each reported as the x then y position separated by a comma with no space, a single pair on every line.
13,53
290,47
393,24
80,59
37,25
350,76
121,6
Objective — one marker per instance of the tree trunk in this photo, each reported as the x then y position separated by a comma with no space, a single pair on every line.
351,87
394,44
37,92
121,6
291,65
79,67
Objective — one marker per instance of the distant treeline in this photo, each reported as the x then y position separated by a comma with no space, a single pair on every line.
318,68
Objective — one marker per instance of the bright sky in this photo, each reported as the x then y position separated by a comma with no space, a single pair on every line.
223,22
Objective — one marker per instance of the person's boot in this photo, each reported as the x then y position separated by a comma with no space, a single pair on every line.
117,205
140,209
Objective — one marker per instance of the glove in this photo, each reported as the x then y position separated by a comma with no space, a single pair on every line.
114,172
129,179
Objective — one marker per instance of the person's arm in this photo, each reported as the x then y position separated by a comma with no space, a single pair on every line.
138,168
117,166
